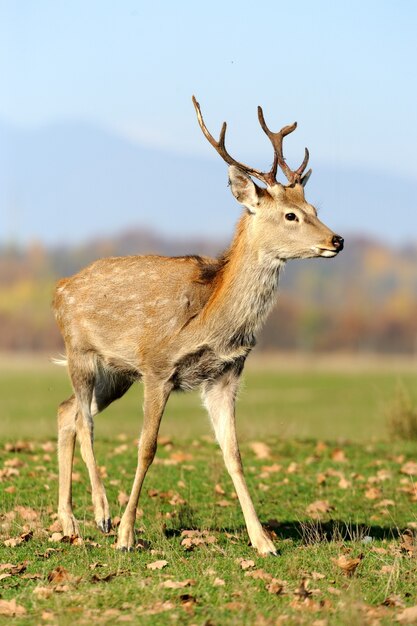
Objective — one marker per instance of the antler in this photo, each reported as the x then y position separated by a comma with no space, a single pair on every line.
269,178
276,140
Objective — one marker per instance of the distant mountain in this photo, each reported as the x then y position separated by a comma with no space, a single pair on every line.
71,181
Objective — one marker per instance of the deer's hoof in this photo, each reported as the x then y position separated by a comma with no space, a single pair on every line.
104,525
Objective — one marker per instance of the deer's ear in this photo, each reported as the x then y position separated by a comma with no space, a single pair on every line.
244,189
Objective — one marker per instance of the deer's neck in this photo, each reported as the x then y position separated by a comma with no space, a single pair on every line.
245,289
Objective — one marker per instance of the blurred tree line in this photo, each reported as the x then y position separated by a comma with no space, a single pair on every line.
365,300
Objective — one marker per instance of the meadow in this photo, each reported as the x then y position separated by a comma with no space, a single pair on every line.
337,493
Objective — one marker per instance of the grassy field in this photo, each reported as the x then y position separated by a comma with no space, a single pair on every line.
337,495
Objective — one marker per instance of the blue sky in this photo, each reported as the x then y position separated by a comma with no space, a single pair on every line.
344,70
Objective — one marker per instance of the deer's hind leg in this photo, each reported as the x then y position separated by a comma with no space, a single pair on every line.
67,412
95,388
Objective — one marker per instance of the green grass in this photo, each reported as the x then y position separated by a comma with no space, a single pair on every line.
275,400
370,499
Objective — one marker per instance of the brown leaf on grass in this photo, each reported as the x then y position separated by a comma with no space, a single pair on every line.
16,541
43,592
218,582
292,468
180,457
338,455
233,606
408,616
347,564
224,503
318,508
302,592
317,576
95,578
219,489
122,498
159,607
157,564
409,468
373,493
15,462
14,570
8,472
19,446
11,609
245,563
321,478
259,574
187,602
276,587
260,449
60,575
177,584
270,469
56,537
195,538
393,601
55,527
344,483
408,543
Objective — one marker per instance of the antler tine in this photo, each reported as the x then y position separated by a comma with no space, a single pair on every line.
279,159
220,147
303,165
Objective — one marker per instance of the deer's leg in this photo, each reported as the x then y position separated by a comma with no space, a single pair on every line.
66,442
85,434
219,399
156,396
83,375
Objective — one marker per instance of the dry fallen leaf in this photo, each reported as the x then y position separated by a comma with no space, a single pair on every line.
408,616
318,508
260,449
157,564
259,574
408,543
194,538
338,455
347,564
16,541
11,609
122,498
302,592
393,600
218,582
245,563
276,587
409,468
177,584
43,592
373,493
224,503
59,575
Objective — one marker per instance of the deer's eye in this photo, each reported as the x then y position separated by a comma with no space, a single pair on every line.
291,217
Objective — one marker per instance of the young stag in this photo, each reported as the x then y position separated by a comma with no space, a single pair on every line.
181,323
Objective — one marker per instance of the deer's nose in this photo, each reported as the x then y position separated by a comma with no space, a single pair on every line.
338,242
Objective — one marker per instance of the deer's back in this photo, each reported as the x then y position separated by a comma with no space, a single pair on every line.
128,303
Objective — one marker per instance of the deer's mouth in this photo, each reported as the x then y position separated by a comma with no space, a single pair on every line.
327,253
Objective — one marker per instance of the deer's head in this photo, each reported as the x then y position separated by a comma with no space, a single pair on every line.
283,223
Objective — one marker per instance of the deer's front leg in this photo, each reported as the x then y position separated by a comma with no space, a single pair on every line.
156,396
219,399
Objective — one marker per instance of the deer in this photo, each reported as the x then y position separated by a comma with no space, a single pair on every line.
181,323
